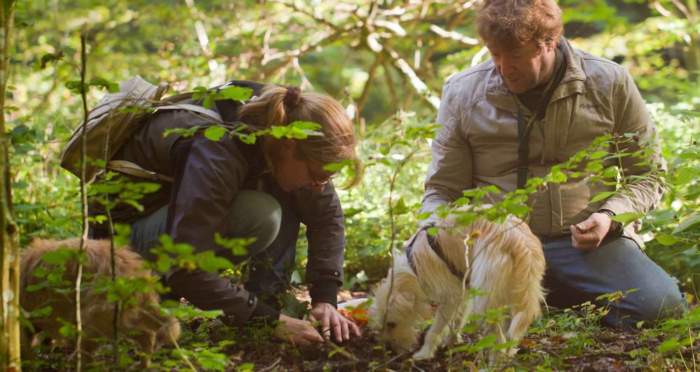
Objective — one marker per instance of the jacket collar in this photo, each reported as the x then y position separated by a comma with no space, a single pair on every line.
572,83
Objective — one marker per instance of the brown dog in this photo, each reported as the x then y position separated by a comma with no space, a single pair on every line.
140,318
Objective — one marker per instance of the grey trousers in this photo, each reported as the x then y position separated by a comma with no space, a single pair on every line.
253,214
574,276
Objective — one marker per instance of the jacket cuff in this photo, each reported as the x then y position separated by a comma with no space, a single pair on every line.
264,313
325,291
617,205
615,227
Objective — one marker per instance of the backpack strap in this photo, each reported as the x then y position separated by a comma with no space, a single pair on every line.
524,130
211,114
133,169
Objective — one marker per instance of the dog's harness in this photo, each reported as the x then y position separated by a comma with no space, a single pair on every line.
438,251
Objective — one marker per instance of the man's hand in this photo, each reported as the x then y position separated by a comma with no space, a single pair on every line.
296,331
588,234
330,318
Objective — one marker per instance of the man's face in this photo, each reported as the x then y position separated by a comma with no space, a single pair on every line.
523,66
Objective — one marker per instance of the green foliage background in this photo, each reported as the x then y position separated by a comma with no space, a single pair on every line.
384,60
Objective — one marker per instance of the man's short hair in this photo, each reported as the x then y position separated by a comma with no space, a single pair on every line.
516,22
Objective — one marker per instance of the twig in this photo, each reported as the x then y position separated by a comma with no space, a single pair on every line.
659,8
203,39
365,91
453,35
682,8
392,360
83,201
418,85
338,349
313,16
271,366
390,83
305,83
182,354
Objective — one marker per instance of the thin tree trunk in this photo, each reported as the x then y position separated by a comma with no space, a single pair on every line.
83,202
9,239
693,53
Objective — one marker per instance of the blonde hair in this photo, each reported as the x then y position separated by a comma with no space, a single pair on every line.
514,22
337,144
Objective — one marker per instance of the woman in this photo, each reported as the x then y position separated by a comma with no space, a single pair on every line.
262,190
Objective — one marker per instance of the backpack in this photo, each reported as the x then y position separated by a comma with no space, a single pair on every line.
114,121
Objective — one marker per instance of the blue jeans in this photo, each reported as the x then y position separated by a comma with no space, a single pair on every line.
574,276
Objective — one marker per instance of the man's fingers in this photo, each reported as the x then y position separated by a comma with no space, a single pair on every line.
587,240
586,225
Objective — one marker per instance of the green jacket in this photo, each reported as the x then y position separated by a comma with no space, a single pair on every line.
477,144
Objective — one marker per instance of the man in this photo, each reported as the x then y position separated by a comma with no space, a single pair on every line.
537,82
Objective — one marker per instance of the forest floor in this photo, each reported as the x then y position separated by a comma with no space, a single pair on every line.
563,340
571,340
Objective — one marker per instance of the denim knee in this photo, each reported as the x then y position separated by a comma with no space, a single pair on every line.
661,302
255,214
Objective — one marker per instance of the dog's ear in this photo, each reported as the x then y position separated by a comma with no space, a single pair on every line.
407,299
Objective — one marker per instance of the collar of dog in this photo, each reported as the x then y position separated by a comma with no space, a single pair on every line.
433,243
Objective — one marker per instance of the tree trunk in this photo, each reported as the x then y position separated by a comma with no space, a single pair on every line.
692,54
9,239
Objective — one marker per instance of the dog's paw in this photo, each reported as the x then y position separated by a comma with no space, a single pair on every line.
453,339
512,351
423,354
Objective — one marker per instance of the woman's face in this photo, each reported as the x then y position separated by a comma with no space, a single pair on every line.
292,173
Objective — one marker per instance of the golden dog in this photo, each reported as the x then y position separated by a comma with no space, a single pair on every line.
504,262
140,317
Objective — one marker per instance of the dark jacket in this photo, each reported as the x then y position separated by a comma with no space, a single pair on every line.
207,176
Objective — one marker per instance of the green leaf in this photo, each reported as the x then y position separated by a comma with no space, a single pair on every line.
211,360
557,176
598,154
235,93
215,132
75,86
104,83
625,218
666,239
602,196
245,367
400,207
689,221
58,257
669,346
237,246
336,167
209,262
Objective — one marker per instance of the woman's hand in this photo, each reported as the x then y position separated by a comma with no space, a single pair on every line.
331,319
296,331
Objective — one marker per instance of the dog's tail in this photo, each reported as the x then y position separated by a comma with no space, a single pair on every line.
526,278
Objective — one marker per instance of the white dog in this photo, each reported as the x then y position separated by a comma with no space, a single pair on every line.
504,262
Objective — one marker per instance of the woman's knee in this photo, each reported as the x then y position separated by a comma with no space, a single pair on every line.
257,215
